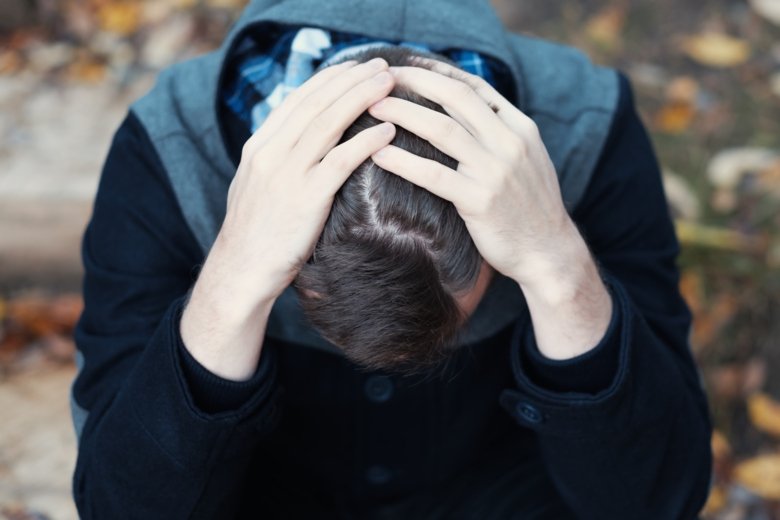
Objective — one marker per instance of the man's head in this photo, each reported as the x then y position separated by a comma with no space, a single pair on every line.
395,273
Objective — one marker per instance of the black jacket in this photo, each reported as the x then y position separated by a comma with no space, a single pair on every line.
623,430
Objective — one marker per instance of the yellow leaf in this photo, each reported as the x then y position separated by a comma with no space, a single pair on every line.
605,26
764,413
690,233
675,117
682,89
720,445
716,49
715,502
120,17
761,475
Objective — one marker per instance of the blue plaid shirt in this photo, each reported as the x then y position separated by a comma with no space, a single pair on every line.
268,65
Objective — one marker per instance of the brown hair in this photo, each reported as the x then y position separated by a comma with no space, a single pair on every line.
382,280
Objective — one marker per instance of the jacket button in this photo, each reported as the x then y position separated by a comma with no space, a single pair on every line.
378,475
379,389
529,412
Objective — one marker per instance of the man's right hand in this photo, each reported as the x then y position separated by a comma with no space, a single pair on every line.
277,205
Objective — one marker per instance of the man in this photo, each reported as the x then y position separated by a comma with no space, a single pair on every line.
208,393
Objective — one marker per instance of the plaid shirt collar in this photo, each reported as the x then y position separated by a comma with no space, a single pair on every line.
266,67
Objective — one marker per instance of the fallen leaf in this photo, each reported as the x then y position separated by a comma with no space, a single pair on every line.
10,61
39,315
768,9
761,475
120,18
682,89
764,413
87,71
692,290
721,448
604,27
690,233
727,168
675,117
716,49
715,501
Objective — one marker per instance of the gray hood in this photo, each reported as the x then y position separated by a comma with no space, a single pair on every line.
571,100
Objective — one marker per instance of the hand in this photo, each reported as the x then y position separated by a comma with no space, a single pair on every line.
506,190
505,187
277,205
289,173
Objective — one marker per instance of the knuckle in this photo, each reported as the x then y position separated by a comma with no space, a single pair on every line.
319,124
337,160
464,91
449,127
518,150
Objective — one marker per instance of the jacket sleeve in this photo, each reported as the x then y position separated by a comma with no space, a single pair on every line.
624,429
154,442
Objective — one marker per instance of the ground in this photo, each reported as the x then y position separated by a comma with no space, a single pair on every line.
706,75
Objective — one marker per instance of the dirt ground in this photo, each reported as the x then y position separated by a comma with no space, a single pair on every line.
706,75
37,453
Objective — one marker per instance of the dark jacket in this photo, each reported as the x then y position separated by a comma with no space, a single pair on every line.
623,430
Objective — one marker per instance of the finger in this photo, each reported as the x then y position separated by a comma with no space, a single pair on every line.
342,160
280,113
510,114
316,102
456,97
431,175
439,129
325,130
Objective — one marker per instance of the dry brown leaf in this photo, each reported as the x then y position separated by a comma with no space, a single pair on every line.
87,71
721,449
120,18
39,315
761,475
716,49
10,61
764,413
605,26
682,89
691,287
226,4
675,117
716,501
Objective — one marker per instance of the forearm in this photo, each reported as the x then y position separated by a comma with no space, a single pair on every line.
569,305
222,329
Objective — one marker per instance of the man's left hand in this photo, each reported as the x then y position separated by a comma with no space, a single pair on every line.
507,192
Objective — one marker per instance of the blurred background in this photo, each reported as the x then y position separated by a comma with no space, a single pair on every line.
706,76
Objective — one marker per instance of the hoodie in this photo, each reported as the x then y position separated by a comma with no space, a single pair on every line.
619,432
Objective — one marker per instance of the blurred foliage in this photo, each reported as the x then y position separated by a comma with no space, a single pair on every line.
706,76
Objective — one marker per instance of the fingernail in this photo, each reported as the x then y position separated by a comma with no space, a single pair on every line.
380,153
386,128
377,64
382,78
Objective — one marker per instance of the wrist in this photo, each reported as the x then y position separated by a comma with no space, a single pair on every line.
569,304
553,273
